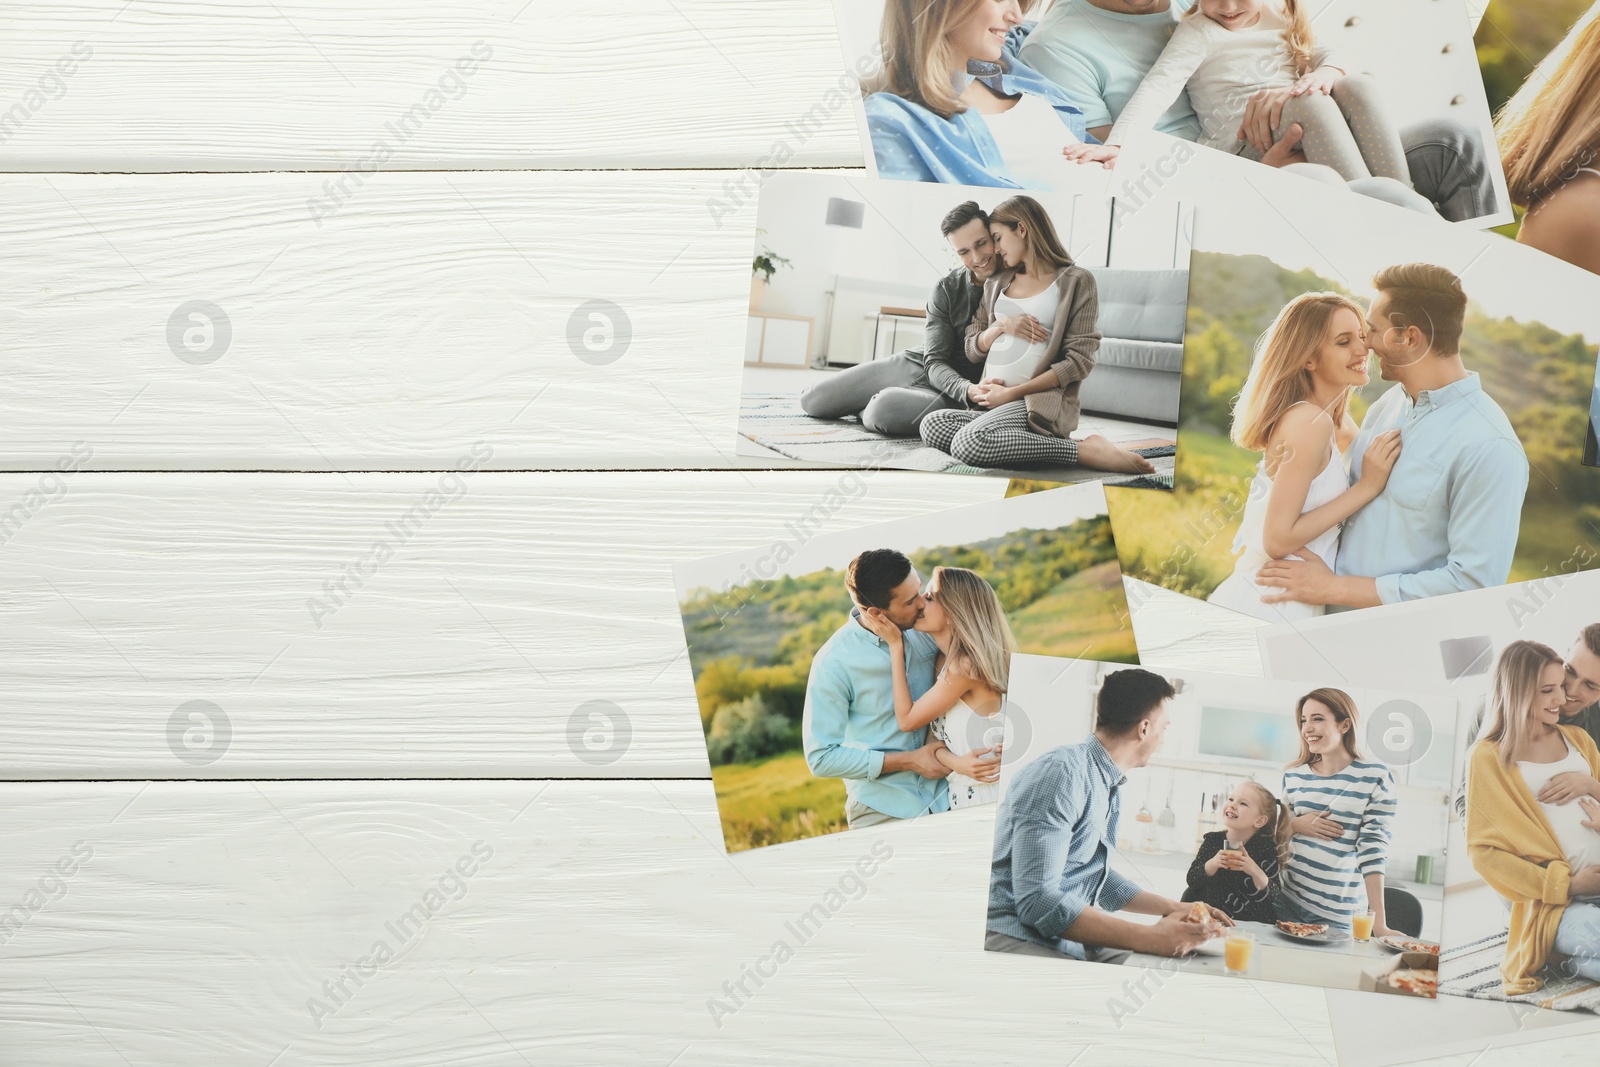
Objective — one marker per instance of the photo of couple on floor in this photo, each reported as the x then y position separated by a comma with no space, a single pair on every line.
1044,338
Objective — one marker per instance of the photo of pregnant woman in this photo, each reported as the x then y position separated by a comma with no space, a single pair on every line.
965,330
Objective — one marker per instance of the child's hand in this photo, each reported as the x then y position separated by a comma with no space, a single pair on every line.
1322,80
1214,864
1103,154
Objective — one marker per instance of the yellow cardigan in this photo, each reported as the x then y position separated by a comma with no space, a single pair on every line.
1512,846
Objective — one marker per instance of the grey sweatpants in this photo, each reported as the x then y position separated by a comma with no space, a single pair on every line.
890,395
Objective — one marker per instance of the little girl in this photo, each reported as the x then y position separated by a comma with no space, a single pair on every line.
1242,878
1224,51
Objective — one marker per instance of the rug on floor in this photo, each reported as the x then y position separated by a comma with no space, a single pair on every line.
1473,970
776,422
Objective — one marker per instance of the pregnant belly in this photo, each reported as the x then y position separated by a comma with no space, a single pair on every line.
1012,359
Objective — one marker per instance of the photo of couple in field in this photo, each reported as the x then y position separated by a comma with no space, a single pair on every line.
1360,427
863,679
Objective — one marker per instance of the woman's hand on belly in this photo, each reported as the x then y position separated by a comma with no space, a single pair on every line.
1569,786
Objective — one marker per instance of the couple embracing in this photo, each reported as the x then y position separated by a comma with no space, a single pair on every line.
903,701
1423,498
1010,336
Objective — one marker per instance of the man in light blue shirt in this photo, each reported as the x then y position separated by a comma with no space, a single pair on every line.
1051,886
848,728
1448,519
1098,51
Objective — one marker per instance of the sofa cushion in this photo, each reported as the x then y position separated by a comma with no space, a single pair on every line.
1163,356
1142,305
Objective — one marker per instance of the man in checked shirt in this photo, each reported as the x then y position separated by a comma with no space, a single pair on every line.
1051,889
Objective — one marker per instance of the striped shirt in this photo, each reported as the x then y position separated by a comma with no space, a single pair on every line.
1326,877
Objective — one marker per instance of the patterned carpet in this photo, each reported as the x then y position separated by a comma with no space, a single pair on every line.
775,422
1473,970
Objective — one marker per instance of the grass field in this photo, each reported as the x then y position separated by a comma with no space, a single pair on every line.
1183,540
1085,616
776,799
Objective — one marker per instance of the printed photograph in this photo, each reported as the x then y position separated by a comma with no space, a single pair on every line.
1523,878
854,679
1541,68
965,330
1288,831
1384,100
1375,409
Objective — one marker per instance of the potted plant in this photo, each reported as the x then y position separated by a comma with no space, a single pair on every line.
762,268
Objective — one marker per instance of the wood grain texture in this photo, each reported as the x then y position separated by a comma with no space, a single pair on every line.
355,626
294,85
435,311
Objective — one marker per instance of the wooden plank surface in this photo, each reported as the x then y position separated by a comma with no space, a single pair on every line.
381,625
413,85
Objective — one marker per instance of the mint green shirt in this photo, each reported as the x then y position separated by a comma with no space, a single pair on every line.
849,722
1099,58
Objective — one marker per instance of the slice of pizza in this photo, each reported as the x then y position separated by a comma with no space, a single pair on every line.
1302,929
1423,983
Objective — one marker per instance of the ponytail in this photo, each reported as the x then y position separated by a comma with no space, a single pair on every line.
1297,37
1282,834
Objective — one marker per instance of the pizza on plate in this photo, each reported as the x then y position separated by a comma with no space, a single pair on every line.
1302,929
1412,980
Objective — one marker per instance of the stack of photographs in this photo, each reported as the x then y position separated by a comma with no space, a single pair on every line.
1281,314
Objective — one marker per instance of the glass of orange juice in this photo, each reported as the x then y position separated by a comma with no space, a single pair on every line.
1361,925
1237,949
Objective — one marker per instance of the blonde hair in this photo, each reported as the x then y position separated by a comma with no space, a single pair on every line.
1344,710
1278,377
1043,245
918,60
1297,39
1550,129
981,641
1516,680
1278,816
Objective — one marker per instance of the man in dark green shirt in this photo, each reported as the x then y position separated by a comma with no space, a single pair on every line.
892,395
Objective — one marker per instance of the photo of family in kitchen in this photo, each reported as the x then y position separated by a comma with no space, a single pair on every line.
1310,855
1524,838
965,331
855,679
1383,100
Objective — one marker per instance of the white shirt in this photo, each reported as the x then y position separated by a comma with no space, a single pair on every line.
1031,136
1581,844
1221,69
1010,358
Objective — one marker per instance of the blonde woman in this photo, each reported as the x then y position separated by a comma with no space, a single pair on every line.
1542,856
1549,136
1342,811
964,618
1294,410
1035,333
952,103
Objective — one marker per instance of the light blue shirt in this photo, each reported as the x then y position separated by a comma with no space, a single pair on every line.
911,143
1099,58
1448,519
1053,838
849,720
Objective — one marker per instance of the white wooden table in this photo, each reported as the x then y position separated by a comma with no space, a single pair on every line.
242,751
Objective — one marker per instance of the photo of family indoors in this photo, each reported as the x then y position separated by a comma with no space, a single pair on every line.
1360,427
1284,831
1379,98
861,677
1523,878
965,330
1541,68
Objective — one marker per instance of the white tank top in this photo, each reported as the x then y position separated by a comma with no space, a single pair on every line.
1011,358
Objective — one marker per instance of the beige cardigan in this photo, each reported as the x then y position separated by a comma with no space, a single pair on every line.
1070,349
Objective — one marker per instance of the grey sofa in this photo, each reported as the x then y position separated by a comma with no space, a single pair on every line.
1140,363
